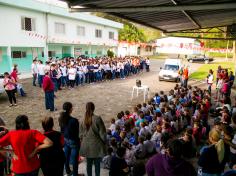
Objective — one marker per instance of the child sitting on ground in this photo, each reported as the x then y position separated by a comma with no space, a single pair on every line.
119,166
107,159
113,125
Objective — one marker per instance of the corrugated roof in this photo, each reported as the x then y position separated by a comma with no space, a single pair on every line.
168,20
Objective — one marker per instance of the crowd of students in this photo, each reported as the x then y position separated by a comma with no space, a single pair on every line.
68,72
162,137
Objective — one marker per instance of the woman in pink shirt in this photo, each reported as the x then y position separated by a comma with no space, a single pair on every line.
10,86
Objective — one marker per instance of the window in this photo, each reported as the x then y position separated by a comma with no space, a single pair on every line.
171,67
27,24
18,54
51,53
86,52
148,48
60,28
81,30
111,35
98,33
42,54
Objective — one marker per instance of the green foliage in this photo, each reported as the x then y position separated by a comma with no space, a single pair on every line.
208,42
202,72
214,54
110,53
131,33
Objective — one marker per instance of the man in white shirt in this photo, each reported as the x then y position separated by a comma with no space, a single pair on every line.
64,75
147,64
34,71
41,72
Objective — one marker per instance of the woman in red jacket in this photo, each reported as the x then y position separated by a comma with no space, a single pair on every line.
25,144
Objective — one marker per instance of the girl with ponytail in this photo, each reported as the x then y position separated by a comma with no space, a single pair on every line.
213,159
70,129
93,139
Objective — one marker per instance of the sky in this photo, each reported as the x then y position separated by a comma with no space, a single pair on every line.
55,2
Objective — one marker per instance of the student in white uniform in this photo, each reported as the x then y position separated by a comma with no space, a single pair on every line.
64,75
41,72
34,71
71,75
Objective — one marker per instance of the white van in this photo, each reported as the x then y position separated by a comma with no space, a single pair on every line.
170,70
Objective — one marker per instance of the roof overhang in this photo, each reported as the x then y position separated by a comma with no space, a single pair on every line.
165,15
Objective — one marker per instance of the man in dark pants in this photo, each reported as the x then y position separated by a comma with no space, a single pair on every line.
34,70
48,88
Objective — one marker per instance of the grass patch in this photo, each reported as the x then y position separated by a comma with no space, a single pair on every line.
203,71
214,54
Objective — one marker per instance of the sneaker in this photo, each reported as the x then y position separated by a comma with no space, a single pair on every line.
10,105
15,104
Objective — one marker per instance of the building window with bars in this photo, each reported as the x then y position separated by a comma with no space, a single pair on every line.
18,54
27,24
60,28
98,33
80,30
111,35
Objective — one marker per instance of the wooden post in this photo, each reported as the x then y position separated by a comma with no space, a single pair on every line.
226,57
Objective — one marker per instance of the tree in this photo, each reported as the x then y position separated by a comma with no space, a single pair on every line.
110,53
131,33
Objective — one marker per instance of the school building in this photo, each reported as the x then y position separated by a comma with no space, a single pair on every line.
32,29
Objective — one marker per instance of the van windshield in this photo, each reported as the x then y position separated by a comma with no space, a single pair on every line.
171,67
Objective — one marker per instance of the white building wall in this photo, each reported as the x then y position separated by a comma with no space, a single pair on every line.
11,33
71,36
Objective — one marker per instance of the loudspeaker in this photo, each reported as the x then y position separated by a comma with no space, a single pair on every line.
138,83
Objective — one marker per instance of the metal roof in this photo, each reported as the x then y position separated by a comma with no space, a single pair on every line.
165,15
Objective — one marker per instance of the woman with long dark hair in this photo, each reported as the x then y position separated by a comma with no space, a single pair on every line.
70,129
26,143
93,139
52,159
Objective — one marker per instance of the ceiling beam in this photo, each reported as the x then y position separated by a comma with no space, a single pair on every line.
188,16
161,8
195,32
207,38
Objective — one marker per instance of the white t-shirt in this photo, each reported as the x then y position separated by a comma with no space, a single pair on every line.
47,68
210,79
63,70
85,70
79,70
34,68
72,73
41,69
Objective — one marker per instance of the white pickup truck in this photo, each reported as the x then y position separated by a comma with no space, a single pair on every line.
1,84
